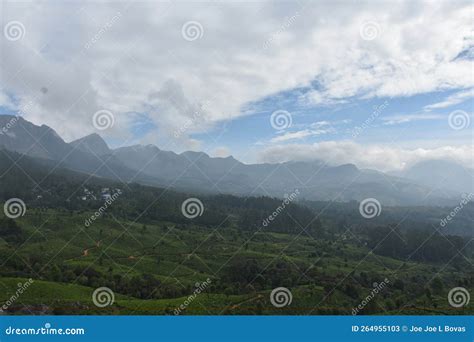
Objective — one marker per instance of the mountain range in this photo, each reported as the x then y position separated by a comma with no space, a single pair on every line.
434,182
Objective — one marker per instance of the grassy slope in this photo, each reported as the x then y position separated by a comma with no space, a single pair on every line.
127,250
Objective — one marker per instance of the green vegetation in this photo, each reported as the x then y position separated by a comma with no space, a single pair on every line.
152,268
152,257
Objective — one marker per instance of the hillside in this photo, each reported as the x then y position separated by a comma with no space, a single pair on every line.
151,256
152,268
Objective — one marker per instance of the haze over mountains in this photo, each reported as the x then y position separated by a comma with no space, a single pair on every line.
426,183
441,173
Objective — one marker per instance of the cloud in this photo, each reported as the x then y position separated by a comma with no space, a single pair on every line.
178,117
321,98
452,100
315,128
400,119
383,158
331,124
319,124
298,135
132,57
221,152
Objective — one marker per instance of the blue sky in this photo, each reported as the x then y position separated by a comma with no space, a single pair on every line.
400,121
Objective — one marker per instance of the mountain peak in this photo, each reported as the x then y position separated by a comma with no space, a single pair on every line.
348,166
92,143
93,135
231,157
193,155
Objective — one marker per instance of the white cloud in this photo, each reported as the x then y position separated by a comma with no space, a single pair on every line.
319,124
383,158
452,100
298,135
399,119
221,152
315,129
5,101
321,98
139,62
331,124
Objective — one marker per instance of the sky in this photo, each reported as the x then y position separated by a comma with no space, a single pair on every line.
381,84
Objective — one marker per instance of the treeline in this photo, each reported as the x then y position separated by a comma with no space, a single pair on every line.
419,245
40,185
347,214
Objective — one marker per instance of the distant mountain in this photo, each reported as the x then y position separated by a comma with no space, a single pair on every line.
314,180
441,174
24,137
92,143
198,172
43,142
